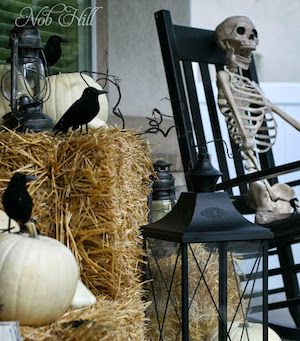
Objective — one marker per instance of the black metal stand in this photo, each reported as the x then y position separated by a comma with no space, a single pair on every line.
185,293
265,290
222,291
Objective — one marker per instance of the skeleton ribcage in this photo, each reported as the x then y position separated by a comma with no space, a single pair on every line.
255,113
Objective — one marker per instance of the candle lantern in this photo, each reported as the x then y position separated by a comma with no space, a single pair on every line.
24,83
217,275
164,198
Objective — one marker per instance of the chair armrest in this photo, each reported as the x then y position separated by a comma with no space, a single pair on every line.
264,174
285,229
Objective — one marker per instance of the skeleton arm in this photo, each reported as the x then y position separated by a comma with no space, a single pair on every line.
223,83
285,116
248,113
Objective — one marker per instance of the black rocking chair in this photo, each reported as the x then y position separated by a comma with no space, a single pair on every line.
184,50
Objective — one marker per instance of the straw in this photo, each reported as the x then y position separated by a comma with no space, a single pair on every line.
91,194
203,316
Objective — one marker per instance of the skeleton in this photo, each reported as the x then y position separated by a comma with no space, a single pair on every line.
248,113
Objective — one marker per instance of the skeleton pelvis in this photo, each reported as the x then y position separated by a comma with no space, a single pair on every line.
259,199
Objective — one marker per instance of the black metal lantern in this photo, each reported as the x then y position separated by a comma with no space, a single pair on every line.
217,275
24,81
163,199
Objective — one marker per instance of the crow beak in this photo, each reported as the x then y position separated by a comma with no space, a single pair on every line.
100,92
63,40
31,177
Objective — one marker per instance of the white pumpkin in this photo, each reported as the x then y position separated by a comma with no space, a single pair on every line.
4,103
66,88
38,278
254,331
83,297
23,88
4,222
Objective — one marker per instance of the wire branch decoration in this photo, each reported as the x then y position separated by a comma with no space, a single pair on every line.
157,117
116,82
155,123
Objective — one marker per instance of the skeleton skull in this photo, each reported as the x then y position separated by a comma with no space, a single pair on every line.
238,37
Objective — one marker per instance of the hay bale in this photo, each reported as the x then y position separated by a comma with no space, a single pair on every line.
109,320
92,196
203,316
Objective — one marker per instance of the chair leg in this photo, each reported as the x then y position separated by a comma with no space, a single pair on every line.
289,277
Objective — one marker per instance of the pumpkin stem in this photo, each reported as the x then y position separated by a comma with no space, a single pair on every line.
242,324
32,229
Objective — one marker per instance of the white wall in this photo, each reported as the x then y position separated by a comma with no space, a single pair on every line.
278,26
127,30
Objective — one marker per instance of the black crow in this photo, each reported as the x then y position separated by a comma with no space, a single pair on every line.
53,50
16,200
81,112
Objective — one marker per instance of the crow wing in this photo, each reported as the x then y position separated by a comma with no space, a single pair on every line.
71,118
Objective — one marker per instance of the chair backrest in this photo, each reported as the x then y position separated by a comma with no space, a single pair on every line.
189,53
186,51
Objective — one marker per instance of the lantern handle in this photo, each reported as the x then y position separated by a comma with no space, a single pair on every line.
203,146
14,72
230,155
47,76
